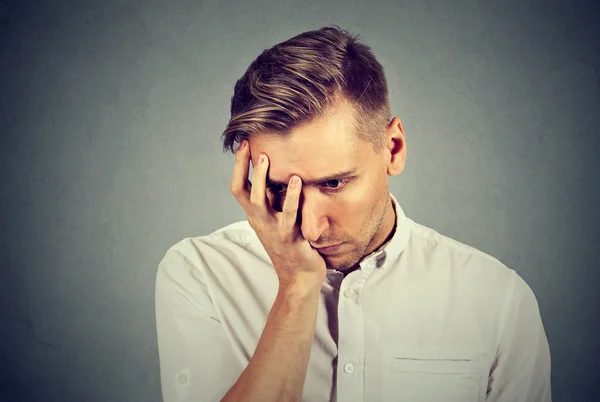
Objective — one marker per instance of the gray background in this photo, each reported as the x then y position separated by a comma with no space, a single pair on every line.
111,114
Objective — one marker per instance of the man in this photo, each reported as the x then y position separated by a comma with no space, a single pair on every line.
328,291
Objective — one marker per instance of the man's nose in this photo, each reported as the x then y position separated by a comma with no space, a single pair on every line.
313,218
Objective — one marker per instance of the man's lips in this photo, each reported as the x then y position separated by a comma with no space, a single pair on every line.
329,249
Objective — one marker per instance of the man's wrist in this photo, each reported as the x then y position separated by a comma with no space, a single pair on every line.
299,290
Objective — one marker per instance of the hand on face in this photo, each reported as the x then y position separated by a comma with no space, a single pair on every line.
295,261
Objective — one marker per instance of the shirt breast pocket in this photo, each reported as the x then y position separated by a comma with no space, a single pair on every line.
433,379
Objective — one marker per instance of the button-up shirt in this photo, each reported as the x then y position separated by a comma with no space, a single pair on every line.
425,318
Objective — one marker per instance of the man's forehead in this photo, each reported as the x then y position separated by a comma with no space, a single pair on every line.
312,165
321,149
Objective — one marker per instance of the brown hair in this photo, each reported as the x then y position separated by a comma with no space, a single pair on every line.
298,80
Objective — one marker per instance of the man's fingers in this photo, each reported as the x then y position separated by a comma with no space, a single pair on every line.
239,180
290,205
258,194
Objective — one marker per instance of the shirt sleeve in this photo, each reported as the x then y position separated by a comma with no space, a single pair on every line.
196,358
521,370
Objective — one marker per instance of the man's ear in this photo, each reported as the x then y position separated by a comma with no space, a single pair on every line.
396,145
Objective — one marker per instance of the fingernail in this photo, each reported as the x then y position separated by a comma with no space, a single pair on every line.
243,145
262,159
295,180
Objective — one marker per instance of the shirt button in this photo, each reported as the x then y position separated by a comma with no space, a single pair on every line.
182,378
348,293
348,368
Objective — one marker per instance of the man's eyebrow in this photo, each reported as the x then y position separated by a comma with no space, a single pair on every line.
340,175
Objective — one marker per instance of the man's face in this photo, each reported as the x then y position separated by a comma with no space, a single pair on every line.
355,208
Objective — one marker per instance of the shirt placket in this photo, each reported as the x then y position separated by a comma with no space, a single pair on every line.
351,342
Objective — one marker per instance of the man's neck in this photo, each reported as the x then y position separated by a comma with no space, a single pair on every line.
387,239
391,233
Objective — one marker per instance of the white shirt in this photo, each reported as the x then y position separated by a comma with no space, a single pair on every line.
425,318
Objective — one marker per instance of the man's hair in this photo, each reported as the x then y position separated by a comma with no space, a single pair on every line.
301,79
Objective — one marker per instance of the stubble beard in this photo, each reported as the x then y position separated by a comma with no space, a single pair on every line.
357,254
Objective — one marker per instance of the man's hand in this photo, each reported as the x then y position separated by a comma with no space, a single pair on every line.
296,262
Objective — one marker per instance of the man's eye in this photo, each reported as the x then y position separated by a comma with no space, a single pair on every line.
334,184
277,189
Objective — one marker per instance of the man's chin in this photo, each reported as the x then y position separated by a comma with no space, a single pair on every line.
338,262
333,262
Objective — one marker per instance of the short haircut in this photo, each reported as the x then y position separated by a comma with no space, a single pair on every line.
301,79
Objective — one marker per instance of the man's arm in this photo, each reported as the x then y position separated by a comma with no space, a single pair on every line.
277,370
521,371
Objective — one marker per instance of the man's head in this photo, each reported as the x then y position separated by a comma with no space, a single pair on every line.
298,80
318,106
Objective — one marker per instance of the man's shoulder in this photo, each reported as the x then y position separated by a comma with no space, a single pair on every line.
237,233
472,269
436,238
461,256
235,238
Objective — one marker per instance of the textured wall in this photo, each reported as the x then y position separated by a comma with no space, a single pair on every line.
110,118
